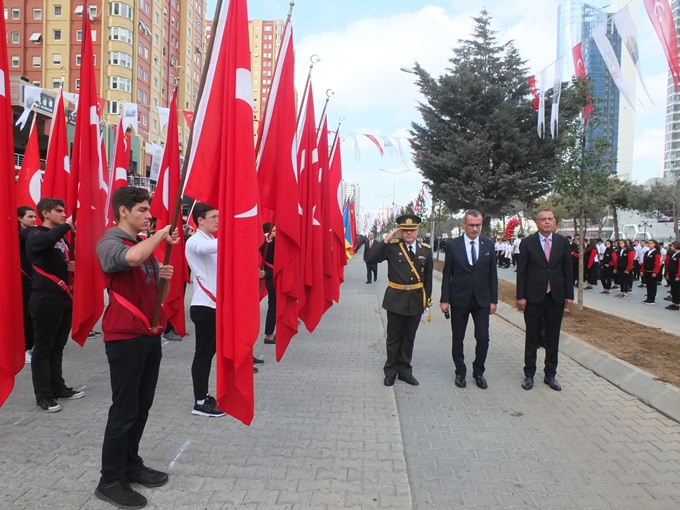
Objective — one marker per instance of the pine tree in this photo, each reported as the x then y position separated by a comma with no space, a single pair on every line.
478,143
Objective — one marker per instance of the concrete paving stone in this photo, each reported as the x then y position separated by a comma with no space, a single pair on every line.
516,501
481,498
450,498
291,497
328,498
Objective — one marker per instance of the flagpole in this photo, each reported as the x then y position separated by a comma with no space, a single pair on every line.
337,137
185,165
314,59
329,94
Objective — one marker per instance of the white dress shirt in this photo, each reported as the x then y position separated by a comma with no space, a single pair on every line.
201,251
468,248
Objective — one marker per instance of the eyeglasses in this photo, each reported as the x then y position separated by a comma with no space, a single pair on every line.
212,217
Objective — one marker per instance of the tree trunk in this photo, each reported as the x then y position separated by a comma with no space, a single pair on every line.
581,243
521,223
486,226
615,220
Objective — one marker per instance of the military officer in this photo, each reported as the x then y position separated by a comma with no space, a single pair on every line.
408,294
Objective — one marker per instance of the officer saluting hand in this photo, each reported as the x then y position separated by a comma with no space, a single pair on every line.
408,294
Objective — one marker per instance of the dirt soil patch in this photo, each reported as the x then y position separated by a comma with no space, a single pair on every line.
648,348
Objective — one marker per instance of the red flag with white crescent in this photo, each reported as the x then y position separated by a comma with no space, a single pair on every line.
580,71
28,187
188,117
336,212
11,329
120,165
221,172
661,16
88,171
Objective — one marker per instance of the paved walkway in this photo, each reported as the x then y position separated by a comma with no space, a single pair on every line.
328,435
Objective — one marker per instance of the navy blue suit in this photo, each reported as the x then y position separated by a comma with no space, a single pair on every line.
470,290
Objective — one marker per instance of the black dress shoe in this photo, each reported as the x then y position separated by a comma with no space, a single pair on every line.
552,382
389,380
147,477
270,341
409,379
368,282
481,382
257,361
460,381
528,383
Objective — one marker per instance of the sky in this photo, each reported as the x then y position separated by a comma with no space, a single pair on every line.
362,44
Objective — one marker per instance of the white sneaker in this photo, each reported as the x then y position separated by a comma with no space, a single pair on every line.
28,356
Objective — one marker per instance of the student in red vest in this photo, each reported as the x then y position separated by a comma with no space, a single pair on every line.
133,346
51,303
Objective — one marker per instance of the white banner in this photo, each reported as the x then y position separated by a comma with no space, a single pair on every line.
557,93
130,116
628,32
156,152
163,116
31,96
609,57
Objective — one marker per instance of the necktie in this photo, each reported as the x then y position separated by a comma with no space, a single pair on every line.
546,249
473,252
370,245
410,252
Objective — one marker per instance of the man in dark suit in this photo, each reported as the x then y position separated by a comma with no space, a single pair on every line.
545,286
470,287
408,294
371,267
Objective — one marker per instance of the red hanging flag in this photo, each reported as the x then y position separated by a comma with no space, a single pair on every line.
162,205
277,180
534,93
661,16
222,173
12,333
119,167
336,212
57,176
28,187
311,305
88,178
188,117
331,285
580,71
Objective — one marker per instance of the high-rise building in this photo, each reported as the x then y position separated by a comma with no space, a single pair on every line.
671,158
265,43
143,50
614,122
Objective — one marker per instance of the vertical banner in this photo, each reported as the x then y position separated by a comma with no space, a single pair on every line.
628,32
661,16
610,60
557,93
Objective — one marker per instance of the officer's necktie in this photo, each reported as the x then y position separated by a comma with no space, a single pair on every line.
410,252
473,252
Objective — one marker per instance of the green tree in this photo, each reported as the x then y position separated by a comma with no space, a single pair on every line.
478,143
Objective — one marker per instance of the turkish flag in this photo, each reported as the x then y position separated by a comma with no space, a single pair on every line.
89,217
162,208
331,285
580,72
57,176
277,178
119,167
334,197
12,327
661,16
221,172
311,306
28,187
188,117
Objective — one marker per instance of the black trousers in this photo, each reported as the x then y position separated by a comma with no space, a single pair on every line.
459,321
133,365
371,269
205,322
401,334
51,317
675,290
650,281
270,321
607,275
28,322
537,316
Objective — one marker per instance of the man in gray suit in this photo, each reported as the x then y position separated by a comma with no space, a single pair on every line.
470,287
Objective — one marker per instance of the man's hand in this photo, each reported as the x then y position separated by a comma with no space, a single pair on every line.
521,304
492,308
260,274
165,272
444,307
71,266
168,234
390,236
568,303
69,222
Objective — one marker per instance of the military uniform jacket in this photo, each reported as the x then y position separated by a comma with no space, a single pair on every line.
404,302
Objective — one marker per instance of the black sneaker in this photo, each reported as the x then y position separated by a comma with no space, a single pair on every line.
147,477
257,361
70,394
48,404
120,494
93,334
208,408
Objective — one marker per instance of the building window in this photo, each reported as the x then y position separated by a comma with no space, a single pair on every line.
56,34
120,9
79,35
57,10
155,124
16,14
120,83
120,58
56,83
15,61
78,59
139,94
77,83
120,34
36,37
146,98
37,14
36,61
111,106
15,37
36,83
56,59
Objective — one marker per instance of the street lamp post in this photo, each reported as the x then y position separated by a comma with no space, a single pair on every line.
645,224
394,182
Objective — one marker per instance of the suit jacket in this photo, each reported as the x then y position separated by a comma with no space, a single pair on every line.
462,281
404,302
534,271
367,249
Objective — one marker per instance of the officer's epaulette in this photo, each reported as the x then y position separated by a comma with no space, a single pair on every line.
426,245
394,241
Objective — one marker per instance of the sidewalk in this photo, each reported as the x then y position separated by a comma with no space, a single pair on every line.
328,435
